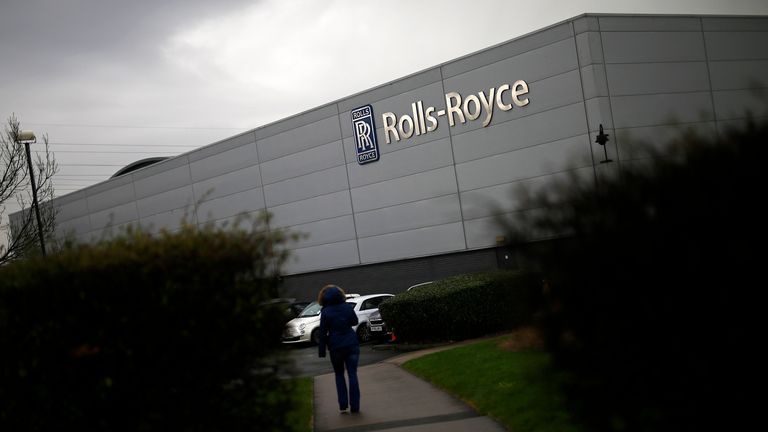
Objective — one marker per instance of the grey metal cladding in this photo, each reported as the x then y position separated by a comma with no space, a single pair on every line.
241,202
599,113
224,162
509,49
114,216
430,94
307,186
735,24
170,220
304,162
648,78
549,158
642,47
585,24
74,225
733,104
739,75
409,160
418,214
401,190
594,81
325,256
112,183
527,131
482,232
169,200
638,142
394,88
649,110
71,209
412,243
222,146
325,231
226,184
506,197
111,197
300,138
312,209
534,65
557,91
649,23
159,167
589,47
162,181
299,120
737,45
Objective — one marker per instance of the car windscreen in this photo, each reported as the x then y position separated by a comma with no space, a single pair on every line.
312,310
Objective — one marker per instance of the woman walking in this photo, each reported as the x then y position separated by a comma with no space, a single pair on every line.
336,321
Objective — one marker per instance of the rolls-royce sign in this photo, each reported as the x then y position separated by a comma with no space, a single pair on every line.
364,129
422,120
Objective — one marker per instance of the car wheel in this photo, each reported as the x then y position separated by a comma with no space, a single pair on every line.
362,333
315,337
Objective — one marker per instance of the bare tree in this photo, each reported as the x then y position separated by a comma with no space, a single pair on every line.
21,231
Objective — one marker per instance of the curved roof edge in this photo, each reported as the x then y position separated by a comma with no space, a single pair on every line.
138,165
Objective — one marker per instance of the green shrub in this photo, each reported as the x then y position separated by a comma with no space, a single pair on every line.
462,307
144,333
654,293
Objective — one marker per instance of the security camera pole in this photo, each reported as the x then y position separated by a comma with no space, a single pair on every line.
29,137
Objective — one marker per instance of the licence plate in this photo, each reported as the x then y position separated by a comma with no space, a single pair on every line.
376,328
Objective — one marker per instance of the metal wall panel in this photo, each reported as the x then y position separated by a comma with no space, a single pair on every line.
163,181
224,162
300,138
170,200
741,23
649,23
312,209
418,214
589,47
636,143
649,78
649,110
732,104
409,160
111,197
529,162
737,45
412,243
231,205
72,226
112,217
739,75
645,47
325,256
72,209
594,81
307,186
482,232
325,231
315,159
229,183
401,190
170,220
524,132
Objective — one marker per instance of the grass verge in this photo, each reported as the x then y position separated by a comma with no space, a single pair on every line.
517,388
300,417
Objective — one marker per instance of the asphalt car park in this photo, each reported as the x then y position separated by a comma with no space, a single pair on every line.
305,361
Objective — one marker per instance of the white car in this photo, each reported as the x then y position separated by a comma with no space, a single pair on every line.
306,327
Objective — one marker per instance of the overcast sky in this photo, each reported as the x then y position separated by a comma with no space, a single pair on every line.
112,82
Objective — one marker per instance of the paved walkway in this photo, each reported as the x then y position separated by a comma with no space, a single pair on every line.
394,400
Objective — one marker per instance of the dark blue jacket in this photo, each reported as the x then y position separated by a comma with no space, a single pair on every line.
336,321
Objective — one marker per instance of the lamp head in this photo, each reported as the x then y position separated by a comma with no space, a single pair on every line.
26,136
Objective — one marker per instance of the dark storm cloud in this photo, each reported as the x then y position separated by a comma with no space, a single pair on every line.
49,34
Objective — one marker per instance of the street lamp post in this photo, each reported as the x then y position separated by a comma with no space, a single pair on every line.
27,137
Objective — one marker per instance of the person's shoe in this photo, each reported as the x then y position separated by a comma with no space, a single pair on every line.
344,411
355,410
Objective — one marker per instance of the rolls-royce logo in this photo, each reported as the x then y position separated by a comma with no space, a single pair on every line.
364,129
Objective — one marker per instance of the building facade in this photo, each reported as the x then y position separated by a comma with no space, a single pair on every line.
403,183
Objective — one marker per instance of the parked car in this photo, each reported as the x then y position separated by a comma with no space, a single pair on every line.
377,327
305,327
365,306
291,307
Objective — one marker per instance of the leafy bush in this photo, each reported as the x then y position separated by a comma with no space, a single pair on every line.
462,307
144,333
653,292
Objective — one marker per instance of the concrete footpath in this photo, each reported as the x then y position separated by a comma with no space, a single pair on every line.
394,400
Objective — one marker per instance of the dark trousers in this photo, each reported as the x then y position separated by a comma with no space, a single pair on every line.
347,357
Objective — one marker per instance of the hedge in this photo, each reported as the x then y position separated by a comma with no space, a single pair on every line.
463,307
144,333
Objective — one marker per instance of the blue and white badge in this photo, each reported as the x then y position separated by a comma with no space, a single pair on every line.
364,129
